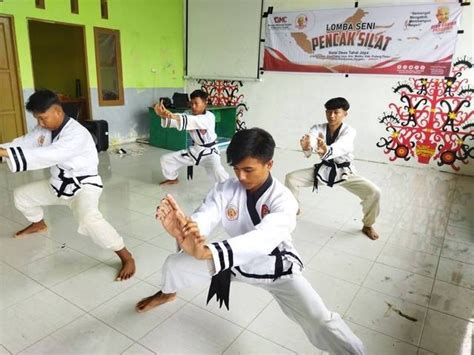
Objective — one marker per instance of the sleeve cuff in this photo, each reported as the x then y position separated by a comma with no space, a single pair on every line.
211,267
182,123
165,122
16,161
222,256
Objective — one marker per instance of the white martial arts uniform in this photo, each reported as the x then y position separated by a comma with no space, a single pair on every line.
259,251
336,167
203,152
72,158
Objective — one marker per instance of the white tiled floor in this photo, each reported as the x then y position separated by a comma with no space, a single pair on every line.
411,292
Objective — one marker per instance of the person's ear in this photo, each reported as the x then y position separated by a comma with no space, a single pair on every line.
270,164
57,109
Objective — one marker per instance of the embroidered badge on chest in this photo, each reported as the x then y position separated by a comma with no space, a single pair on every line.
265,210
231,212
41,140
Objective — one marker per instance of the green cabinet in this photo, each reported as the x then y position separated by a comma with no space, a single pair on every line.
172,139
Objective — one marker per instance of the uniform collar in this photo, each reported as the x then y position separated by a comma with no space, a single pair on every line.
56,132
331,139
253,197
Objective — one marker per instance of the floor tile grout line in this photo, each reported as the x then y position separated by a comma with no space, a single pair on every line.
137,343
358,291
391,336
54,331
260,335
382,333
434,278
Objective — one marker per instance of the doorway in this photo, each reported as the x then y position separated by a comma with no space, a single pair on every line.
12,120
58,57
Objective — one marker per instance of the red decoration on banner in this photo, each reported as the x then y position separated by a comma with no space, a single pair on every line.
433,121
226,93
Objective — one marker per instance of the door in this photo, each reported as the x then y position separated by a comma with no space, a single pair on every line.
11,110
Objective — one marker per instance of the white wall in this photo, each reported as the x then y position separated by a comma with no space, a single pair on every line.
287,104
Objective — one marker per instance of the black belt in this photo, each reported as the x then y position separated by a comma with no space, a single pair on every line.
199,157
332,173
68,181
208,145
220,283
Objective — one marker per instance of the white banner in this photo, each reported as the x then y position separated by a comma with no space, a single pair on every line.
402,40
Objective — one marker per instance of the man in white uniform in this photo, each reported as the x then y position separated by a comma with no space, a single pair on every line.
66,147
201,128
334,143
259,214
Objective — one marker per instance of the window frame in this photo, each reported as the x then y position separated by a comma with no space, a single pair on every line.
121,100
40,4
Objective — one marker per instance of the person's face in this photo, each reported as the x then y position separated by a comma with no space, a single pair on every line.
198,106
50,119
252,173
335,117
442,15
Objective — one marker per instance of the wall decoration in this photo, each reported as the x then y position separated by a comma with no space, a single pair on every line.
226,93
433,122
400,40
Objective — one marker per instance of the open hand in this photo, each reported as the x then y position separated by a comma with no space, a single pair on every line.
305,142
161,110
172,217
322,148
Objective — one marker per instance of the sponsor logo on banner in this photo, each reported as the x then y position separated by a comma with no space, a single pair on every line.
301,22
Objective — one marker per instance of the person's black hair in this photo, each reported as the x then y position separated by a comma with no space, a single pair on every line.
337,102
199,93
250,143
41,101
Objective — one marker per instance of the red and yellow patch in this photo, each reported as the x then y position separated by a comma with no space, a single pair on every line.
265,210
231,213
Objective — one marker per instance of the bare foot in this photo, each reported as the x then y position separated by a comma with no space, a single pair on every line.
169,182
156,300
128,265
370,232
37,227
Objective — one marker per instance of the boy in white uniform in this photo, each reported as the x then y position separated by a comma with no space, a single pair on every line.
201,128
334,143
66,147
259,214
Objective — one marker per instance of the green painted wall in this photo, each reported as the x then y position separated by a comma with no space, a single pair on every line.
151,33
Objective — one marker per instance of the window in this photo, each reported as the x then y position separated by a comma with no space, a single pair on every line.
39,4
104,9
75,6
109,67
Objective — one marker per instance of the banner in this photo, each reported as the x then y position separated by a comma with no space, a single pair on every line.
402,40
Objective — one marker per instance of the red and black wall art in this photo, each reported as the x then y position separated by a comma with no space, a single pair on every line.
226,93
433,120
